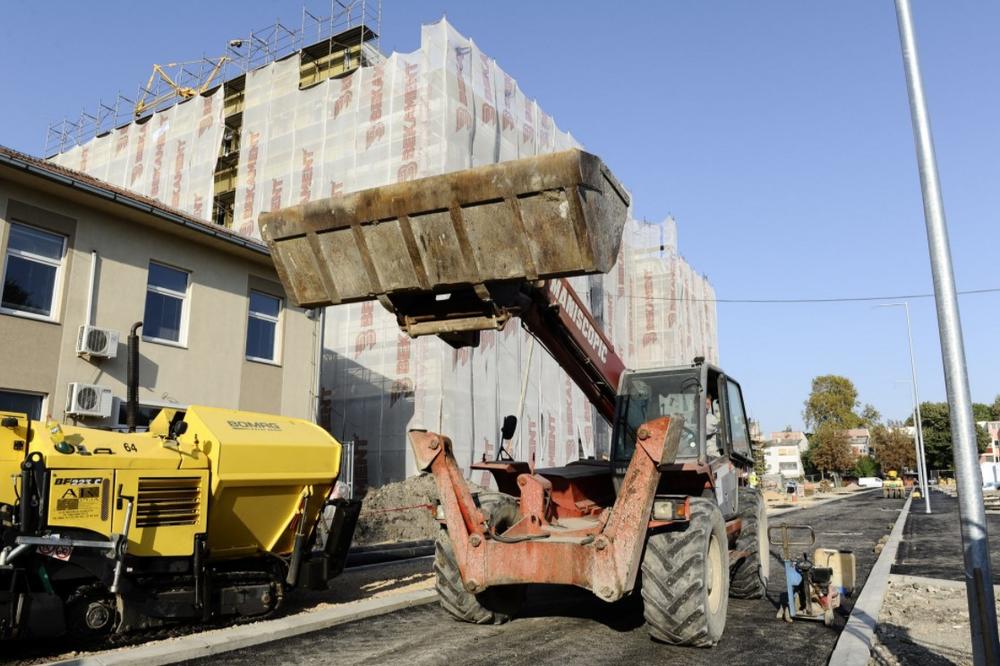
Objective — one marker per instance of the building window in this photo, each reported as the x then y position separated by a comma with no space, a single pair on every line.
33,271
165,318
788,466
22,403
262,327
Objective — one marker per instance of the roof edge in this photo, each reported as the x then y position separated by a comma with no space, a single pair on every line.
92,186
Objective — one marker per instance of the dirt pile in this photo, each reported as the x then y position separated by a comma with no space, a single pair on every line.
400,511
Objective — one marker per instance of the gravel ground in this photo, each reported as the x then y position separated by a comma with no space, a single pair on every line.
572,626
921,624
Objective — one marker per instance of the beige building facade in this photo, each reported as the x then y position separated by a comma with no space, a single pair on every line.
217,327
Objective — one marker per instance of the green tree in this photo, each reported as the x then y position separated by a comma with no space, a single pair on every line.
759,464
830,450
936,423
832,402
894,449
995,409
981,412
865,466
870,416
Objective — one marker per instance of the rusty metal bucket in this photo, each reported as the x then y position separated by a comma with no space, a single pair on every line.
542,217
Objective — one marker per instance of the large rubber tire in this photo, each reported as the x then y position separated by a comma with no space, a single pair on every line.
685,580
748,577
496,605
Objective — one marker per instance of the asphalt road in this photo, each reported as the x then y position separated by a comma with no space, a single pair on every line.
932,543
571,626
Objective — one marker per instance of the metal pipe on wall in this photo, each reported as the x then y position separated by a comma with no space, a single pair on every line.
91,283
975,540
132,377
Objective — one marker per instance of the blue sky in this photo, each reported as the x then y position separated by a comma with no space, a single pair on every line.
777,134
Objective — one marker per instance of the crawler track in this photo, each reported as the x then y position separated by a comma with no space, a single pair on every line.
354,583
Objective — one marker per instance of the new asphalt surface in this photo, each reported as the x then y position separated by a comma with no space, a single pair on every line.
932,543
565,625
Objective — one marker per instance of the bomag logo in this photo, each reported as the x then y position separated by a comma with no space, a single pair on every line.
263,426
79,481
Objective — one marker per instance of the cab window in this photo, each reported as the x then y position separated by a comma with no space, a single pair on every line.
739,434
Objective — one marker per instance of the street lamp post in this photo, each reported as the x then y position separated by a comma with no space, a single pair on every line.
972,513
918,444
918,421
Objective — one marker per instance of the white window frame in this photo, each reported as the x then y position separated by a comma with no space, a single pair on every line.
185,306
268,318
34,394
57,287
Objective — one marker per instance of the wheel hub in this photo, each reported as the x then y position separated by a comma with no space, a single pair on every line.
98,616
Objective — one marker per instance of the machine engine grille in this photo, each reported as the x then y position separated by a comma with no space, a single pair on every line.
168,501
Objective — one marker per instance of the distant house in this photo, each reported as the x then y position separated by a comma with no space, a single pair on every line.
992,453
783,454
860,439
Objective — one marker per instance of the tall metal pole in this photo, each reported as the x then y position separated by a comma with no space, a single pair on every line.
921,452
918,430
975,542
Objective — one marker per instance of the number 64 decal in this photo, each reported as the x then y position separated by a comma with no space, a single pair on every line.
130,448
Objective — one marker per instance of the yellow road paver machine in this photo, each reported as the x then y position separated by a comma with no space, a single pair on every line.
212,512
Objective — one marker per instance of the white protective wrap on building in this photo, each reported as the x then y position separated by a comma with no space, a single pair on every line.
445,107
442,108
169,156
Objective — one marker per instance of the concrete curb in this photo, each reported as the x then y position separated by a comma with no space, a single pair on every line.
210,643
854,645
779,512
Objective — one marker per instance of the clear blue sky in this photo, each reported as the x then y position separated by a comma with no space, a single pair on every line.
777,133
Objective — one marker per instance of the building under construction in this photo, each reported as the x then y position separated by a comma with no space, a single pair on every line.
296,119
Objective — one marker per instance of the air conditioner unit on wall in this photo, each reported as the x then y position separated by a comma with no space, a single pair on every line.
97,342
88,400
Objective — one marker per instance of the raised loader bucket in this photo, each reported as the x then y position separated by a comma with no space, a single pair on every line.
542,217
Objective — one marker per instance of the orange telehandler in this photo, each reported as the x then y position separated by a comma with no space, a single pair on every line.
456,254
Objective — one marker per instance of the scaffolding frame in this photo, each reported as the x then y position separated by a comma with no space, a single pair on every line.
258,49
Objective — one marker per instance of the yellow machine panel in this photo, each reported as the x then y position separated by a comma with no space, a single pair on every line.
81,500
169,509
102,449
13,442
265,469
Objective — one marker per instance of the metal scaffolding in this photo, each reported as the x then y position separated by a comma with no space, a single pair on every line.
346,23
